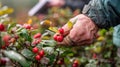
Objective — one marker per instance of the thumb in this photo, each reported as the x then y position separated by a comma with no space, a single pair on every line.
66,26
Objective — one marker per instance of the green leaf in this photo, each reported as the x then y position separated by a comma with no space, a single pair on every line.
50,43
51,57
10,26
90,65
17,57
27,53
24,34
49,50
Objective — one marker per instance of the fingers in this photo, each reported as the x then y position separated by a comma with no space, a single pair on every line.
83,32
66,27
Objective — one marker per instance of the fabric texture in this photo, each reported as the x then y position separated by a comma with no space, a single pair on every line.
116,36
105,13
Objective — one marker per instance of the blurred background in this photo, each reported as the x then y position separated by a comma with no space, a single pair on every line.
21,7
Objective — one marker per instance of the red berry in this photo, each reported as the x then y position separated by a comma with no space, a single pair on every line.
75,65
2,27
60,38
76,62
38,35
6,38
94,56
61,30
27,26
35,50
41,53
35,42
55,37
37,57
3,47
3,61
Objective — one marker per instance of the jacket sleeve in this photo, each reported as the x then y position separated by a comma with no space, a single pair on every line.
76,4
105,13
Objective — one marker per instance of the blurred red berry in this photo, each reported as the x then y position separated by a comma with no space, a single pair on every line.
12,40
35,50
38,57
60,38
94,56
6,38
55,37
2,27
3,47
35,42
3,61
61,30
27,26
41,53
38,35
75,65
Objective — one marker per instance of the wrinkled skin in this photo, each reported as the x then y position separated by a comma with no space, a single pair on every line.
83,32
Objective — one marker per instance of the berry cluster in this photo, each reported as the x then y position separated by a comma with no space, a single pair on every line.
59,36
40,53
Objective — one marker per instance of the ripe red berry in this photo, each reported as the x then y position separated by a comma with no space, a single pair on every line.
2,27
3,47
61,30
41,53
3,61
60,38
35,50
35,42
37,57
38,35
6,38
55,37
75,65
27,26
94,56
75,62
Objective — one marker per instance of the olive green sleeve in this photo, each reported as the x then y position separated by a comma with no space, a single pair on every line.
105,13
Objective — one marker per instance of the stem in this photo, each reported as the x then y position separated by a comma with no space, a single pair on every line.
55,62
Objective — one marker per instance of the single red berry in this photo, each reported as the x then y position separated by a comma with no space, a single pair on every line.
61,30
75,65
6,38
94,56
27,26
2,27
3,61
59,62
41,53
37,57
35,42
3,47
55,37
76,61
12,40
60,38
38,35
35,50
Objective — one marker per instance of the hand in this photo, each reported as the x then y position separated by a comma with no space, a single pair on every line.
57,3
84,31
